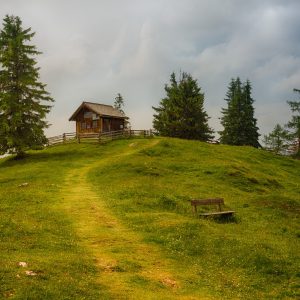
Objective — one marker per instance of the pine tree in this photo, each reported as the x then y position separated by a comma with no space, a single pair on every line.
119,103
249,123
231,114
23,99
238,118
278,140
295,122
181,113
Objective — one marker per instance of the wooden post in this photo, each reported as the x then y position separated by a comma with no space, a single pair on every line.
78,136
220,207
100,125
150,132
195,209
64,138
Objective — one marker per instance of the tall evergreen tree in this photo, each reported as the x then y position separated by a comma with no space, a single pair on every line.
238,117
181,113
119,103
231,114
23,99
294,123
249,122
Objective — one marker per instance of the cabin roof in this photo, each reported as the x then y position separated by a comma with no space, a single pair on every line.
100,109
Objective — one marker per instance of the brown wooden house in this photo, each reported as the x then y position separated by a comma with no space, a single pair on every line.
95,118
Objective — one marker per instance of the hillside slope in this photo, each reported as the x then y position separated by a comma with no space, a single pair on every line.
114,222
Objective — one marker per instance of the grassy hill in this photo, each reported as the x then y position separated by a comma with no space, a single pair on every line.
114,222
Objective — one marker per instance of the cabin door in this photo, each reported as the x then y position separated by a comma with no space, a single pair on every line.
106,125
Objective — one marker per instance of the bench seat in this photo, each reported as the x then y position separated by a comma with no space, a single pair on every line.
217,213
217,201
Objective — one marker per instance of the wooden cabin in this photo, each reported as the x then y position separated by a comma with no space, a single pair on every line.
95,118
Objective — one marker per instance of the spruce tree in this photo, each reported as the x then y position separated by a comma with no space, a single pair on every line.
238,117
294,123
181,113
278,140
119,103
23,98
231,114
249,122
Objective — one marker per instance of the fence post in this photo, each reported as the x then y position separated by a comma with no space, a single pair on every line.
144,133
99,137
78,137
150,132
64,138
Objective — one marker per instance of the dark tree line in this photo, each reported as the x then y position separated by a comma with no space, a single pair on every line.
181,113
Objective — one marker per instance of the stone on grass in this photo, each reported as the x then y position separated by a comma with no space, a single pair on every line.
22,264
30,273
169,282
23,184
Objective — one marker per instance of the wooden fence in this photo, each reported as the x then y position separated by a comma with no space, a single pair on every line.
101,137
63,138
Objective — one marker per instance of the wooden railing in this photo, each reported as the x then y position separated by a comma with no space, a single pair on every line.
101,137
63,138
112,135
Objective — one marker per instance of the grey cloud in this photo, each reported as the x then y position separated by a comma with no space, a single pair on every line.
95,49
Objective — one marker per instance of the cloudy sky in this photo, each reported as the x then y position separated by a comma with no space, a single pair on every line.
94,49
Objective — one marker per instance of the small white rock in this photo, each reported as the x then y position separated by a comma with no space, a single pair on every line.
23,264
30,273
23,184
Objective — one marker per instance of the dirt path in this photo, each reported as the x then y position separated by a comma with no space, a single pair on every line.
128,267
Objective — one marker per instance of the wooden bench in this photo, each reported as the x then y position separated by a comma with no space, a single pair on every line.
218,201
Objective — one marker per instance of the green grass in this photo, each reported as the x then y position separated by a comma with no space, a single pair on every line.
113,221
33,231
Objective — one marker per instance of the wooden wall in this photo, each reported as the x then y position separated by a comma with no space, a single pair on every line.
86,124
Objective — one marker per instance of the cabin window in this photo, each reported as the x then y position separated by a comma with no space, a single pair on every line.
83,125
95,124
121,126
88,125
95,117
